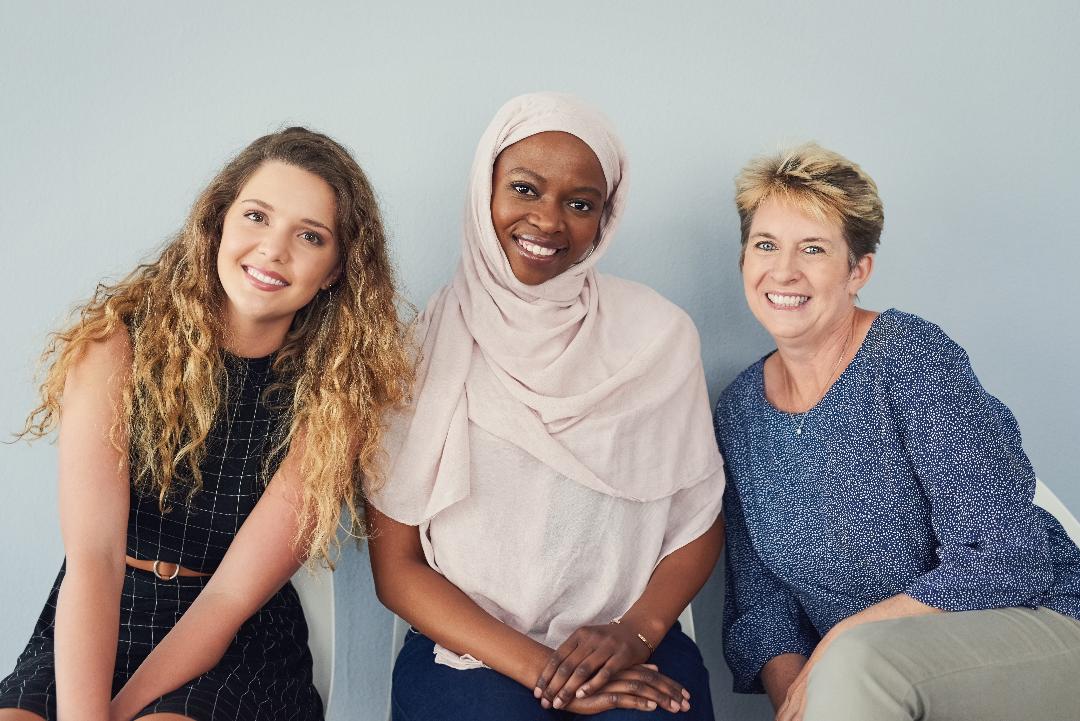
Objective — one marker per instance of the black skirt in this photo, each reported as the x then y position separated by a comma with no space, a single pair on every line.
264,674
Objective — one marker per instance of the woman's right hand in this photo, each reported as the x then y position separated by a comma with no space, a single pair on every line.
640,687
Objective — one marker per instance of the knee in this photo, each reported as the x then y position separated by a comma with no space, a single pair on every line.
859,663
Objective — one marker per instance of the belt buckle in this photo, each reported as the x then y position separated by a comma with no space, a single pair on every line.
157,571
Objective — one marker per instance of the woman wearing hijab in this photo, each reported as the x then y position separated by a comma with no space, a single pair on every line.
885,559
553,493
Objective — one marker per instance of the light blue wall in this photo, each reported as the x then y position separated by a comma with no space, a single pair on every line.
115,115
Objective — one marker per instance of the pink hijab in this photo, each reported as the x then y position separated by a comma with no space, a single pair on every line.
596,377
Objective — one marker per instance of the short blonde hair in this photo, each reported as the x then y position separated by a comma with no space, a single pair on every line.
823,184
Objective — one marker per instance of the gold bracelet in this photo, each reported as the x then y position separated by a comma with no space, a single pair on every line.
618,621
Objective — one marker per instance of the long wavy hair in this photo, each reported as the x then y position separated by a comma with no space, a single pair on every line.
344,354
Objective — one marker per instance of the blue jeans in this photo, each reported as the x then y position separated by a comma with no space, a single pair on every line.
426,691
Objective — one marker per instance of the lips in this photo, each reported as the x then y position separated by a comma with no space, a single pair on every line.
787,301
537,248
264,279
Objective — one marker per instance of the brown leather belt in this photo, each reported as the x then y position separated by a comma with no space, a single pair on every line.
163,569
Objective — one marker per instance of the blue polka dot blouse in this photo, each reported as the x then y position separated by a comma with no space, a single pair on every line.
907,477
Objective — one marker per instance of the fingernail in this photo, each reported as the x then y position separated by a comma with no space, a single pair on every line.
675,705
685,693
557,703
685,706
545,703
580,693
537,692
651,705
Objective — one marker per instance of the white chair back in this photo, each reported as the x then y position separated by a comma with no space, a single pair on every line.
316,591
1045,498
686,619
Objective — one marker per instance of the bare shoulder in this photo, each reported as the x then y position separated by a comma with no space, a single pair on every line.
102,363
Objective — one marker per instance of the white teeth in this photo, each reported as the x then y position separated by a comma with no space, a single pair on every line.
263,277
789,301
534,248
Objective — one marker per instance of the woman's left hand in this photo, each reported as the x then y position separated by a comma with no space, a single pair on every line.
795,702
586,661
899,606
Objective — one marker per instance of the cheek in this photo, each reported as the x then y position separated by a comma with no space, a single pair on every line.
234,238
501,218
317,268
751,273
586,230
224,250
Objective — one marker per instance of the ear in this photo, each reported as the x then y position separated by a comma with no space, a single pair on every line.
860,274
332,277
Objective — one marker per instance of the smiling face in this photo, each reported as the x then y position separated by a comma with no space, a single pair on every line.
277,251
547,197
798,281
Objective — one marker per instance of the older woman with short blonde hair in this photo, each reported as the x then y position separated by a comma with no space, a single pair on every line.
885,558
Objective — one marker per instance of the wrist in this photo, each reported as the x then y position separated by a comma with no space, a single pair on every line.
638,638
531,665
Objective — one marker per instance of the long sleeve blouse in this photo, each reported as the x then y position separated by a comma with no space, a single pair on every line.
907,477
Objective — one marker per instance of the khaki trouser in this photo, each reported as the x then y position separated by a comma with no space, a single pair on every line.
1009,664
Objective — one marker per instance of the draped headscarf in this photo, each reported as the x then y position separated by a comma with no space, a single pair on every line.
597,377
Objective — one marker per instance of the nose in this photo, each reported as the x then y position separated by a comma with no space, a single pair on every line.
785,267
546,216
274,245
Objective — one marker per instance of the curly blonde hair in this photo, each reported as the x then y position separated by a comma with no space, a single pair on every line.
820,183
344,354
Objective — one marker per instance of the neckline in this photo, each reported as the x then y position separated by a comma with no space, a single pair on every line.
236,361
856,357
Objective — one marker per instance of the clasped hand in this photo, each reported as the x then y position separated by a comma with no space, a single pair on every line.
599,668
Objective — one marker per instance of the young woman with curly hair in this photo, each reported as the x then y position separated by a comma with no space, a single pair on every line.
215,410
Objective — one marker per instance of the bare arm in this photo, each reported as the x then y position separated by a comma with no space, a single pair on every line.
413,590
259,561
778,674
409,587
674,583
593,654
94,500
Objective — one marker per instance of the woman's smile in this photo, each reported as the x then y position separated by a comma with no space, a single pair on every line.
278,248
787,301
265,279
536,248
547,197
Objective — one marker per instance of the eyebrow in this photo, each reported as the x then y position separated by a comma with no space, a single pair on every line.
811,239
309,221
586,189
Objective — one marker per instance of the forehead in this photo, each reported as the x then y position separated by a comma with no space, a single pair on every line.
554,155
783,218
291,191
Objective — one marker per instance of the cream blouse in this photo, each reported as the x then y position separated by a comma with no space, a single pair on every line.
547,555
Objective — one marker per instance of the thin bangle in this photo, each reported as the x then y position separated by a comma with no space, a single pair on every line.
618,621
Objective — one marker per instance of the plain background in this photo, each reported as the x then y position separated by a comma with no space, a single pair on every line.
116,114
